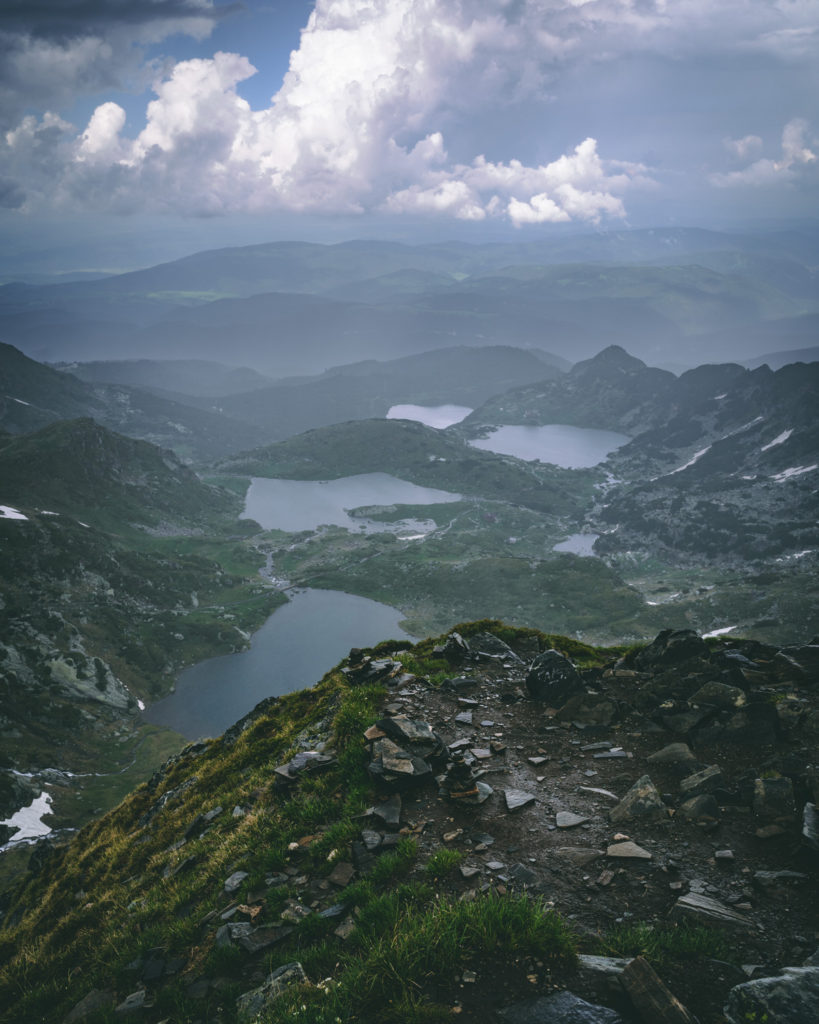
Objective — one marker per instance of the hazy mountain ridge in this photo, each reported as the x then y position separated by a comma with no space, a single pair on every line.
641,289
36,395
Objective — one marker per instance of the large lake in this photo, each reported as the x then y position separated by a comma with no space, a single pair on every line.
558,443
293,649
296,505
438,416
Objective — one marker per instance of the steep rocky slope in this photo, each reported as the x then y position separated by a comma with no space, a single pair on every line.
437,830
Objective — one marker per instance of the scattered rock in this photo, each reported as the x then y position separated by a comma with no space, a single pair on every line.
642,801
488,647
135,1001
304,762
255,1002
700,808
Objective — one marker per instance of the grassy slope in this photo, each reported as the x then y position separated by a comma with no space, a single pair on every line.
131,902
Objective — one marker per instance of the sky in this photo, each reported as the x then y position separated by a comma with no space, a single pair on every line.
137,130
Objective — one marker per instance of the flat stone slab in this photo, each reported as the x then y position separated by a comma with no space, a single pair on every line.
233,882
568,819
578,855
696,905
518,798
560,1008
627,851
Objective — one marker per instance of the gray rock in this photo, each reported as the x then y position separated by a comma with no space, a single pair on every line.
135,1001
627,851
488,647
773,799
672,647
642,801
567,819
706,909
790,998
518,798
553,679
255,1002
719,695
580,856
585,709
705,781
609,966
674,753
455,648
234,881
700,808
560,1008
389,811
304,762
771,879
97,999
810,827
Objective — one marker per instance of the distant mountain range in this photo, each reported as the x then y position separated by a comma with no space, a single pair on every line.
672,296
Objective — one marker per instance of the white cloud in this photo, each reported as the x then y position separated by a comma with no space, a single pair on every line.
765,171
362,115
745,147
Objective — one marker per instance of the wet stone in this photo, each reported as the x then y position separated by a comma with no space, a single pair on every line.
568,819
517,799
552,678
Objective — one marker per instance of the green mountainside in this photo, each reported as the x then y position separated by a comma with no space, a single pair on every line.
33,395
373,850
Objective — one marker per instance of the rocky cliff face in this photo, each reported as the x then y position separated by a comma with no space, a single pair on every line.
439,829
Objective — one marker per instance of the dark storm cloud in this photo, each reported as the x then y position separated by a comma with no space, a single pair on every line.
52,51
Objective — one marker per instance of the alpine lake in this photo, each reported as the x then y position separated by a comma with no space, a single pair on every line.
304,638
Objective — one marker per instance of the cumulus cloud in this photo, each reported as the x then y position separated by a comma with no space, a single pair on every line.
795,155
367,110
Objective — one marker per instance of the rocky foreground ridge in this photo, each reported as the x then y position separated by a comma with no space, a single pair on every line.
499,826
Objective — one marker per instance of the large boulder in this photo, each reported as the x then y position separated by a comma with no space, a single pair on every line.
789,998
553,679
672,647
560,1008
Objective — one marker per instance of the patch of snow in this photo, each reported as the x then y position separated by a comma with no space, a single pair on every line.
716,398
413,536
84,524
140,704
43,512
20,400
786,474
7,512
718,632
28,820
795,555
694,458
780,439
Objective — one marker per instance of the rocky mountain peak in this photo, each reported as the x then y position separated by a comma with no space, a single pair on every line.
610,360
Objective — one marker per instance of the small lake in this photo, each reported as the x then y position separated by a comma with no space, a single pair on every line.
438,416
558,443
295,505
578,544
293,649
